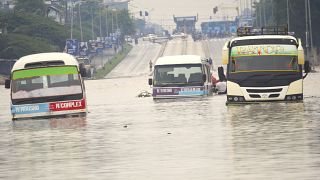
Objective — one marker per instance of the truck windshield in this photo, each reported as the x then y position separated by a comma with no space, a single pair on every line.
45,82
264,63
178,75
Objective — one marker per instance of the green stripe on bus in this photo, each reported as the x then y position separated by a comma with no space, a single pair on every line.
44,72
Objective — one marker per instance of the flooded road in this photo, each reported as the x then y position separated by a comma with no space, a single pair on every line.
125,137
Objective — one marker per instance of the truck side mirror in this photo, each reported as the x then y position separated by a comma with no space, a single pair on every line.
7,83
221,75
307,67
225,53
204,77
150,82
301,59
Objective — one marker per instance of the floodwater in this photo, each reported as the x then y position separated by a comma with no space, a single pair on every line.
125,137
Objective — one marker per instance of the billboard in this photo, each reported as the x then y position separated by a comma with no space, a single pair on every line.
83,49
72,47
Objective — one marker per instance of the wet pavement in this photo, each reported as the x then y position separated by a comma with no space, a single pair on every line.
126,137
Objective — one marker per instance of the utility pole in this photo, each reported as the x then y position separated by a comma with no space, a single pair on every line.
260,12
71,21
80,22
264,13
307,31
107,31
100,22
112,21
288,15
92,32
311,38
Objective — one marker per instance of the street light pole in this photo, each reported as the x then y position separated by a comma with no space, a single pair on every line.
80,23
311,38
107,31
71,33
307,31
288,15
100,22
111,21
92,33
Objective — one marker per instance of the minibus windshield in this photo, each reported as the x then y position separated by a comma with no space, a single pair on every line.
178,75
46,82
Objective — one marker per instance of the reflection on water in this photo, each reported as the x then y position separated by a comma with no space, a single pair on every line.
274,139
53,123
125,137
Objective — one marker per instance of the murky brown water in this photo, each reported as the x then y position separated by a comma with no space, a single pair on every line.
125,137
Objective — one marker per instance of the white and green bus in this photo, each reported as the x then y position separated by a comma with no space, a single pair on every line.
47,85
264,65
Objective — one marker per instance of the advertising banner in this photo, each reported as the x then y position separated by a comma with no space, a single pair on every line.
83,49
72,47
30,109
264,50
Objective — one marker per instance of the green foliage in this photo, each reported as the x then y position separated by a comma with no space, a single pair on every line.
276,14
31,6
38,26
14,46
30,31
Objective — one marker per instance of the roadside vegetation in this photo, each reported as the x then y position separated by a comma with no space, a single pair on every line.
27,29
112,63
272,13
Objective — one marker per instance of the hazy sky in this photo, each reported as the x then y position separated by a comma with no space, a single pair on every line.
162,11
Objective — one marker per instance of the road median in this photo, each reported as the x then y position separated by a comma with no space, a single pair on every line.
113,62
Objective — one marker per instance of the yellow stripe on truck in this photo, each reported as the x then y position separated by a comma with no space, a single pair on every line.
233,89
295,87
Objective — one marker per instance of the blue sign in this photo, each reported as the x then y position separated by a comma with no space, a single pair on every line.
30,108
72,47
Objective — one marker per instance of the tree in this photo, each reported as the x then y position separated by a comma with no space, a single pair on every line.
276,14
31,6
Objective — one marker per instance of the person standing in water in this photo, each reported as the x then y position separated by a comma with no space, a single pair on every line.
150,65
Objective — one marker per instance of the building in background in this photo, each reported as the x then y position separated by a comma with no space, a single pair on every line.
185,24
6,4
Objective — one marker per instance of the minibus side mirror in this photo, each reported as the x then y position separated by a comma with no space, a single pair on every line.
150,81
7,83
307,67
221,75
204,77
83,71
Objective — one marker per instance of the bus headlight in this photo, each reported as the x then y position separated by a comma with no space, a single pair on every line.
294,97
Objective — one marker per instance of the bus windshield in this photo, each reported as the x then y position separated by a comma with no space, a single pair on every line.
178,75
46,82
264,63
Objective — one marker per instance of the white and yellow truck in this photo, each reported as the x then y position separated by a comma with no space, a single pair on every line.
264,65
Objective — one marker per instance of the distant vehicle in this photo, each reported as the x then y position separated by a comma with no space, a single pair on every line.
47,85
264,65
179,35
149,37
181,76
85,62
128,39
